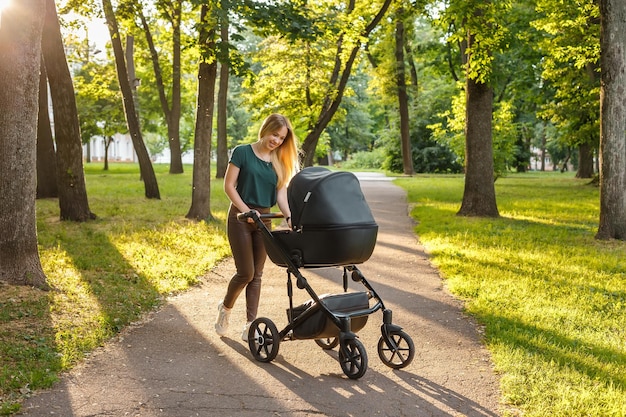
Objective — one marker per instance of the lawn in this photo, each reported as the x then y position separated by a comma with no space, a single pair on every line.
551,297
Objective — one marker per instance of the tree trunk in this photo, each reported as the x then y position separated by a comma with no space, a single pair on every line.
340,79
20,58
46,155
73,202
403,100
612,120
145,165
222,114
544,139
107,145
172,115
207,73
479,195
585,161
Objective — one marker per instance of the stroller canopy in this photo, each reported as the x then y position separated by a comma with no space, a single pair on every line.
319,197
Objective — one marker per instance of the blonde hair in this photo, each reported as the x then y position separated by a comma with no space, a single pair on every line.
285,157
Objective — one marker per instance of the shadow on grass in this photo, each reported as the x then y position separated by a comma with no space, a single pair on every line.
50,332
588,359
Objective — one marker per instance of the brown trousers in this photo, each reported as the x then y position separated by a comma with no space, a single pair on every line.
248,248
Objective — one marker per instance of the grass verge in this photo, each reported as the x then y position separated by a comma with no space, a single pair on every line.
552,298
106,273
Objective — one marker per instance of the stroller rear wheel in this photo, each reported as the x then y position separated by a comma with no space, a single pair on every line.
327,343
263,339
353,358
397,351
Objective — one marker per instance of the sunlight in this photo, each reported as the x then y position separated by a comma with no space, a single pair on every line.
4,4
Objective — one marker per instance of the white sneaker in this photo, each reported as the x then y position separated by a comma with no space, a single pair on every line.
244,333
223,315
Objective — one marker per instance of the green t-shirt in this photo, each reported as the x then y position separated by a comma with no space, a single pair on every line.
257,179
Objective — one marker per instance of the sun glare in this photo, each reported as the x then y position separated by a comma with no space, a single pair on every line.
4,4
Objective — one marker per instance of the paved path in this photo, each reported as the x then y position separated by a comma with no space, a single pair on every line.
173,364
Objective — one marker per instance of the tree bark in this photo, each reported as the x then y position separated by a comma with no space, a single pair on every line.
207,73
585,161
479,195
20,59
222,102
612,120
73,201
145,165
46,155
403,99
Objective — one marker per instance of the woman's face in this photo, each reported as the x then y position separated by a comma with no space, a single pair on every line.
274,139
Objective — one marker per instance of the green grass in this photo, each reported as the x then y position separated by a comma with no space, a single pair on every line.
551,297
105,273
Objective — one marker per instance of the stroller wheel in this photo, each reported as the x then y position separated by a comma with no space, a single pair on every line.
263,339
353,358
398,351
327,343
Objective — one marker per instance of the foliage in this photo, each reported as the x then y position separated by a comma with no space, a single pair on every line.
430,93
99,100
281,85
482,19
451,131
552,298
373,159
571,51
106,273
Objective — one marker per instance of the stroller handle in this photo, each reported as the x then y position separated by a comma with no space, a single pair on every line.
252,214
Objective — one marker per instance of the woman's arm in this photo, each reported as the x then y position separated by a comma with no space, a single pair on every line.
230,182
283,204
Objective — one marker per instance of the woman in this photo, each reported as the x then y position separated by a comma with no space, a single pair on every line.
256,179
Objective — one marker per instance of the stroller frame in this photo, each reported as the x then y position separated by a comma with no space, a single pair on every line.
395,347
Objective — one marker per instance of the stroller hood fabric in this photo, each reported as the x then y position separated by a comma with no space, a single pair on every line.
332,223
322,198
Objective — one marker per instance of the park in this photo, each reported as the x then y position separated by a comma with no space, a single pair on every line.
504,127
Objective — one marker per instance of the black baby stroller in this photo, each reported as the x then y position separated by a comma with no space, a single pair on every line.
332,226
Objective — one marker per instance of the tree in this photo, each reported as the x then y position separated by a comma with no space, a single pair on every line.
222,95
613,120
207,73
479,195
570,63
481,38
20,59
172,10
46,155
312,51
344,60
98,97
403,100
145,165
73,201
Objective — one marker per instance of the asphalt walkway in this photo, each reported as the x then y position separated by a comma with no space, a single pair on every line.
173,363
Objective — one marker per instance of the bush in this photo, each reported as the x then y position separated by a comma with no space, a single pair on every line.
365,160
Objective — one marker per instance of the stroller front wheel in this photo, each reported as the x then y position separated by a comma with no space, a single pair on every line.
397,351
263,339
353,358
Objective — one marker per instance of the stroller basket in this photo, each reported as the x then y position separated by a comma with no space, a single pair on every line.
332,223
318,325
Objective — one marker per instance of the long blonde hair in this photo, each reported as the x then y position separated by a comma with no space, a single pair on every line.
285,157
